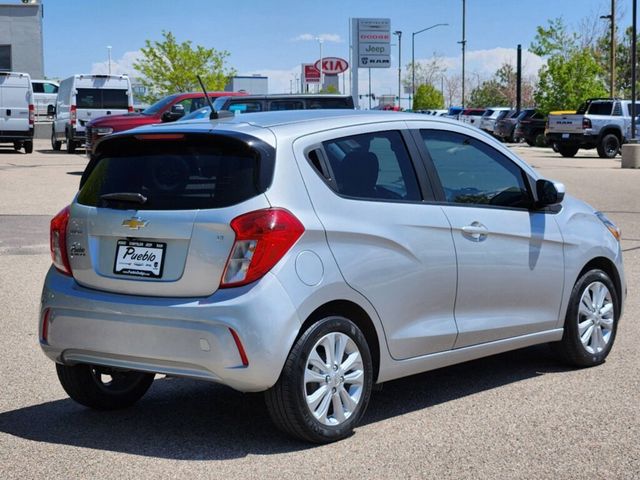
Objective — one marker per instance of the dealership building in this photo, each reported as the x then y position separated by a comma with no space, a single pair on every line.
21,46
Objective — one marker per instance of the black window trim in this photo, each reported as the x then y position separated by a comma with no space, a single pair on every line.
440,197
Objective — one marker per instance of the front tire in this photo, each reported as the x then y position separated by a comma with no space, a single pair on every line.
591,322
28,146
609,146
325,384
102,388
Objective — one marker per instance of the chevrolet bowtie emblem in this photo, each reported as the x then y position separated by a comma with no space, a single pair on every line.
135,223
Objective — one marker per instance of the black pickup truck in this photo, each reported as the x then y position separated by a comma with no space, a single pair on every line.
531,129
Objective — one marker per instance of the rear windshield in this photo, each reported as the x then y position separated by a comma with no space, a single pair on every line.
600,108
102,98
185,174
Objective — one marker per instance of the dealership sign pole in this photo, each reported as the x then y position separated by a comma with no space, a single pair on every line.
371,47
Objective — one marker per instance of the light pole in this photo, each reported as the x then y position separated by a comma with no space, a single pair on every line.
413,54
109,52
321,79
612,48
399,34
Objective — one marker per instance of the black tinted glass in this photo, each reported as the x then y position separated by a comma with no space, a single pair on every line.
286,105
5,57
472,172
101,98
600,108
339,103
176,175
373,166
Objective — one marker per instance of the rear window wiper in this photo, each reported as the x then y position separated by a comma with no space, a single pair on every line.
133,197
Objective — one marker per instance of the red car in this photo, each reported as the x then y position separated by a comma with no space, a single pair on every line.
169,109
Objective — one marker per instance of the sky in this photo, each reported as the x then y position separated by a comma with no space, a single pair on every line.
274,37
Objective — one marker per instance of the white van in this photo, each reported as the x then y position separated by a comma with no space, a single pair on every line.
82,98
44,94
16,110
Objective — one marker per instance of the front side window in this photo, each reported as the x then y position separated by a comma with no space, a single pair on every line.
373,166
472,172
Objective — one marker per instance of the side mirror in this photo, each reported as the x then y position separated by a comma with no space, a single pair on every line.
549,193
176,112
51,110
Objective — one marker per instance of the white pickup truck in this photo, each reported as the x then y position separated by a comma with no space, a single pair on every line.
601,123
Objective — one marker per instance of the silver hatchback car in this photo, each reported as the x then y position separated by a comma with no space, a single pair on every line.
313,254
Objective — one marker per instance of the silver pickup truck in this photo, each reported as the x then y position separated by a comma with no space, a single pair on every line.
601,123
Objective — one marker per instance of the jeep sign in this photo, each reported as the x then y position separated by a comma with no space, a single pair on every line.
332,65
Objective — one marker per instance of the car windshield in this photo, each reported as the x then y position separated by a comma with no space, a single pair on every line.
203,112
159,106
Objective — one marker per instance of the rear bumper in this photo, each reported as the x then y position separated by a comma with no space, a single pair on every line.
187,337
7,136
576,139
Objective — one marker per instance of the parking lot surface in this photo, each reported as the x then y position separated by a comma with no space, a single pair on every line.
516,415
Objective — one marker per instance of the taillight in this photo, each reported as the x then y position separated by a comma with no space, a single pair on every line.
586,123
58,241
262,239
130,109
32,116
73,114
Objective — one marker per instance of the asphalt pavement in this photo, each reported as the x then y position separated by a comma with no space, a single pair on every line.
516,415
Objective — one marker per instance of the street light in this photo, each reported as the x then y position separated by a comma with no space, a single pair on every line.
321,83
413,55
612,48
109,52
399,34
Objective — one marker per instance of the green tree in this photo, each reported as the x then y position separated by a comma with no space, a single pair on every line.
573,71
168,67
428,97
330,89
565,83
489,94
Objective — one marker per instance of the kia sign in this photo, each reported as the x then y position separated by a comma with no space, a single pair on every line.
373,45
332,65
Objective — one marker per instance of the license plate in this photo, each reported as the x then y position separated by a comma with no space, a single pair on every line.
139,258
565,135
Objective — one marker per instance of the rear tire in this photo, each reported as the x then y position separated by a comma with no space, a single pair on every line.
325,384
17,146
28,146
102,388
531,143
71,145
567,150
591,322
609,146
55,144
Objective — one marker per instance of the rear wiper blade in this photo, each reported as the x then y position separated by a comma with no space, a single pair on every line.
133,197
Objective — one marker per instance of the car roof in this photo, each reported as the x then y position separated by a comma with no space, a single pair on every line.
291,96
287,122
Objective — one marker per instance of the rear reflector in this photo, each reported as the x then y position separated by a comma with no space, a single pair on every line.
262,239
161,136
73,114
58,241
240,347
44,335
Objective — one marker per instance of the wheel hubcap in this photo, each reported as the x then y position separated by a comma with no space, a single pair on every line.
334,379
595,317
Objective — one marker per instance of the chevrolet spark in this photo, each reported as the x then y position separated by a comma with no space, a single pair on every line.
313,254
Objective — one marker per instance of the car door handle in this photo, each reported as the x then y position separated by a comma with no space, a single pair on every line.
476,231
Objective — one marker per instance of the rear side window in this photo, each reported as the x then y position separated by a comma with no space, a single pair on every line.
102,98
176,175
340,103
286,105
373,166
246,107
